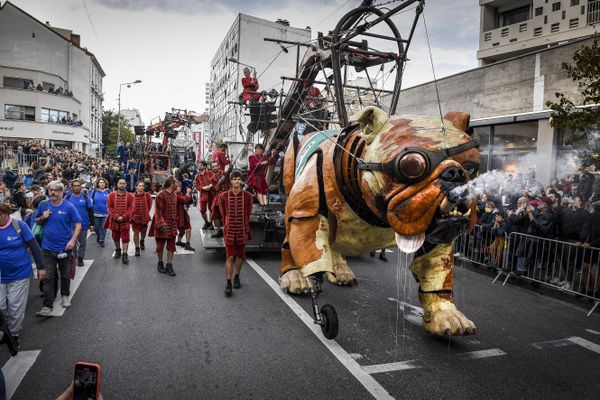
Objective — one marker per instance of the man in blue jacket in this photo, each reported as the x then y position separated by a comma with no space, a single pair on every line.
85,208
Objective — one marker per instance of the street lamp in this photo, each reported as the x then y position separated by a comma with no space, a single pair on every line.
128,84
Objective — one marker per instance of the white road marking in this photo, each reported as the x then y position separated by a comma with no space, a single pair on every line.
413,364
586,344
552,344
476,355
182,251
592,331
414,314
573,340
397,366
369,383
16,368
58,310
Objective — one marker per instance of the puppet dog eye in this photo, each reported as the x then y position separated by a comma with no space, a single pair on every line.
412,165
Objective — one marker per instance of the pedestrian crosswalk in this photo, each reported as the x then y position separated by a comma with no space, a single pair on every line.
16,368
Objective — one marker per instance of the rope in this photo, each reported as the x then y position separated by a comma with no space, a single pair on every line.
437,92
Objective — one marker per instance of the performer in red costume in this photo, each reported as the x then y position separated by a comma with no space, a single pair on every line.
250,85
183,218
142,203
258,164
203,184
120,210
221,184
164,224
236,207
220,156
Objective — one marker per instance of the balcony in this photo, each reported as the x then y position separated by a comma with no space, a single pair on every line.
19,129
506,35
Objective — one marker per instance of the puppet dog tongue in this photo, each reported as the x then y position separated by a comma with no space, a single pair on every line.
410,244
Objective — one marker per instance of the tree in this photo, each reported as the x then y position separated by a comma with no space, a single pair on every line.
583,119
110,128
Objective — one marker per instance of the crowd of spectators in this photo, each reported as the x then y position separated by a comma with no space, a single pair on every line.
566,211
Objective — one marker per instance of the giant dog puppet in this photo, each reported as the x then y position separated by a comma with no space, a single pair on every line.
387,178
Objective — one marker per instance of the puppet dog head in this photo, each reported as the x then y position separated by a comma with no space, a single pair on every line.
411,165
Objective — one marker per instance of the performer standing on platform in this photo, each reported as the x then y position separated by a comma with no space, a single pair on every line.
220,156
142,203
236,207
183,218
203,184
258,164
120,210
250,84
164,224
221,184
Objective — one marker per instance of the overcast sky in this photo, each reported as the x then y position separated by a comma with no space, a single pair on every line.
168,44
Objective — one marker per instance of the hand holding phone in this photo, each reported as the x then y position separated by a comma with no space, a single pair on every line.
86,382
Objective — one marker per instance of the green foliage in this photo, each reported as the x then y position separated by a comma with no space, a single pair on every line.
585,70
110,129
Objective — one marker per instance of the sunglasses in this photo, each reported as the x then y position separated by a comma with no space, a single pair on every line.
414,164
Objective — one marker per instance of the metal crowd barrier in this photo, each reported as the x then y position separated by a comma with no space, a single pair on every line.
13,160
553,263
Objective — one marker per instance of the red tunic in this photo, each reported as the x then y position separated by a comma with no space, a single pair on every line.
204,179
236,210
119,205
257,173
219,188
142,203
250,85
220,157
165,214
183,217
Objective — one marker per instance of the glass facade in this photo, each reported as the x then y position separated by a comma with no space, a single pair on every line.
49,115
24,113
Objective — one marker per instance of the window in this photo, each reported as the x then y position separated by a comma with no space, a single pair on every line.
523,28
539,11
574,23
545,19
556,6
564,14
23,113
49,115
47,86
574,3
487,36
554,27
504,32
537,32
515,16
18,83
496,44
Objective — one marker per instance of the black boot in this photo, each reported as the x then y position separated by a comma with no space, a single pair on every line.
228,289
218,234
382,256
236,281
80,262
170,270
161,267
137,251
188,247
117,253
179,243
206,225
142,246
125,258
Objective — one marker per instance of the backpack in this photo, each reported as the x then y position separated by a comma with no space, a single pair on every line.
17,227
38,229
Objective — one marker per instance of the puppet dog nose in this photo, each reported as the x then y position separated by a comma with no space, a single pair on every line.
454,175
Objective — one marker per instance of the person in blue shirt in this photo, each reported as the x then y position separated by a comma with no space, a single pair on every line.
84,207
99,195
62,225
15,268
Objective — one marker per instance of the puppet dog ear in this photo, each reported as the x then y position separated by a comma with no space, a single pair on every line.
371,121
459,119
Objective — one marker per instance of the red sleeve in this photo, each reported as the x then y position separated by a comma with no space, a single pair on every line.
252,163
223,160
158,212
197,184
148,201
130,206
223,205
110,204
183,199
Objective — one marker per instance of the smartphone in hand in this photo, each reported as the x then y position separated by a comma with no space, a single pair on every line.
86,382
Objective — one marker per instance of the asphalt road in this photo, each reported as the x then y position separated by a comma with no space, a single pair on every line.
158,337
